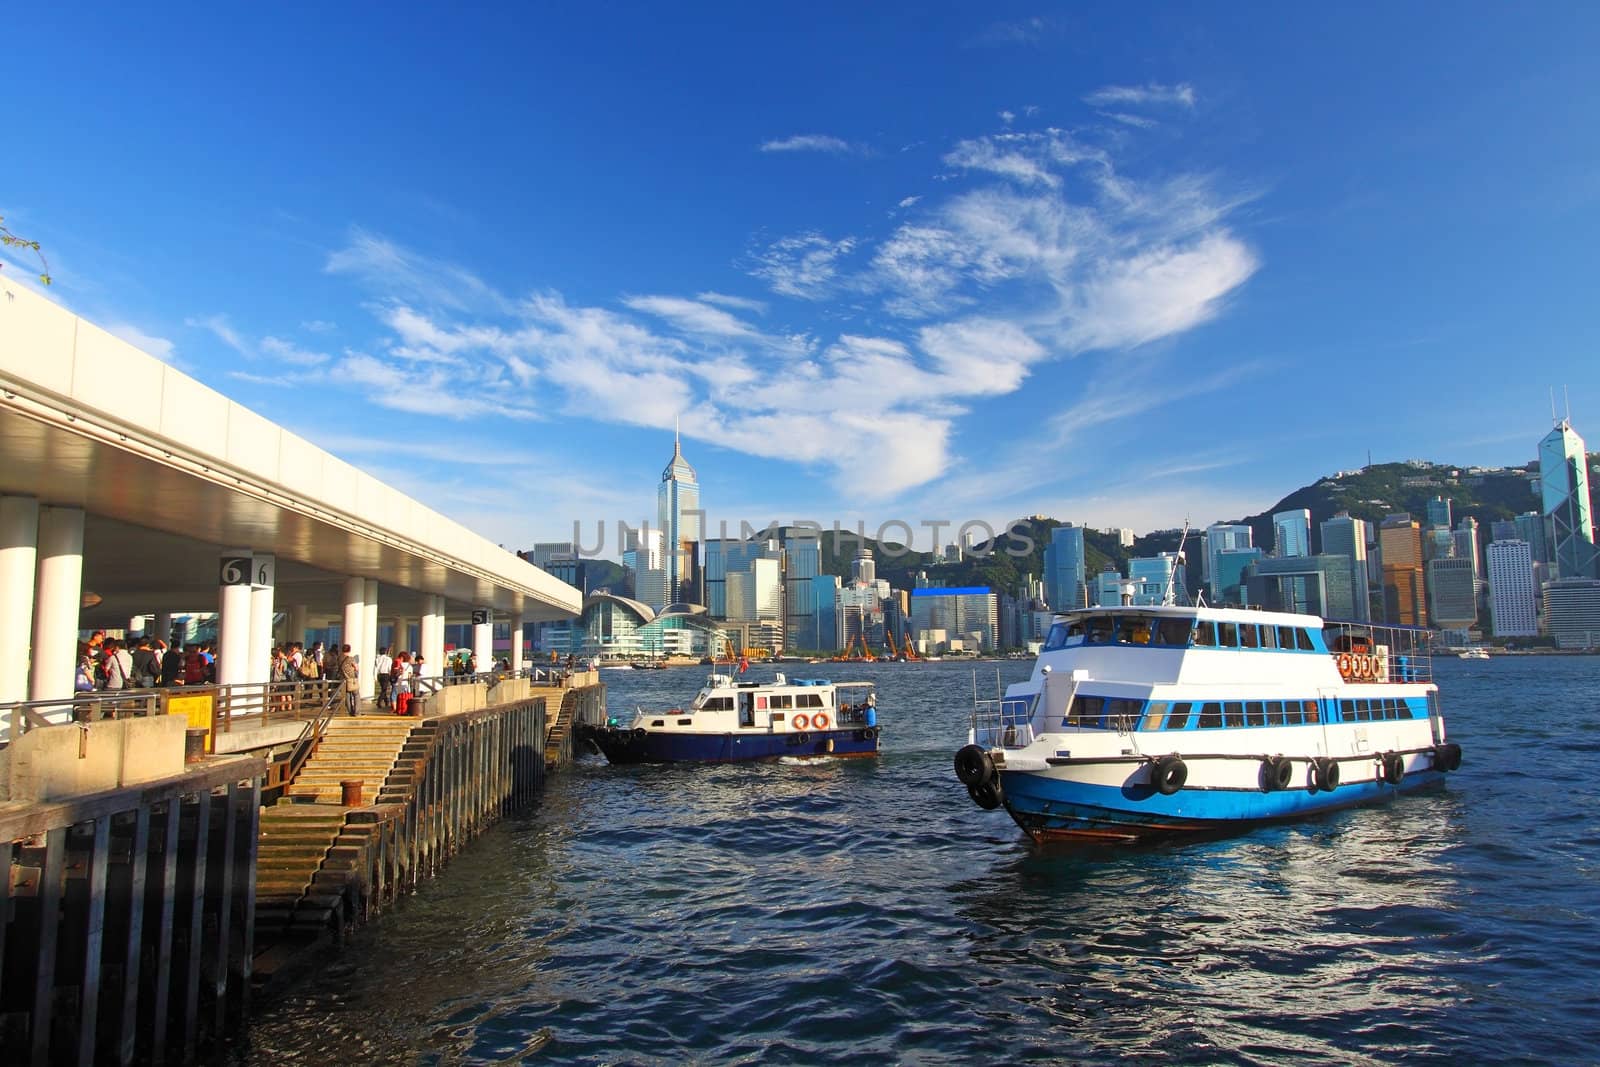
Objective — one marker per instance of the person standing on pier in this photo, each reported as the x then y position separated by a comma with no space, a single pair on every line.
383,667
350,671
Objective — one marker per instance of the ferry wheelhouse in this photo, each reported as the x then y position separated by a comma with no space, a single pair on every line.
737,720
1152,721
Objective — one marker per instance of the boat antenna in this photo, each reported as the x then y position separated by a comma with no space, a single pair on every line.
1171,597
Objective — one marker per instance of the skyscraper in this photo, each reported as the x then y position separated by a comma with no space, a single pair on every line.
1344,535
1452,594
641,555
1439,512
1292,533
677,507
1564,489
1400,542
1513,595
1063,568
1224,537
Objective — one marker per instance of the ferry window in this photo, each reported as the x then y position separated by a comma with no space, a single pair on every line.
1179,718
782,700
1204,635
1173,631
1286,637
1099,629
761,703
1347,711
1405,710
719,704
1249,635
811,700
1233,713
1154,714
1135,630
1274,712
1302,641
1211,716
1228,634
1255,713
1121,714
1269,637
1084,710
1313,713
1057,637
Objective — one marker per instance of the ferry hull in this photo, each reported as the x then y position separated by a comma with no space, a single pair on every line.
1057,809
646,746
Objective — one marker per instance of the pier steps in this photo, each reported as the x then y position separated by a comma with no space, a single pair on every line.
295,840
362,748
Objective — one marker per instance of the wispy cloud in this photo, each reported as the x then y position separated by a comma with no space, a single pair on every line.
1020,31
318,326
382,264
1180,95
1137,121
159,347
220,328
288,352
807,142
803,265
739,302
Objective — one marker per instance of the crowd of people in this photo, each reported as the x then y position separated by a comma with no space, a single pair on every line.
114,664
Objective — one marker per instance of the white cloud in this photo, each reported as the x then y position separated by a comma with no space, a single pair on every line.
318,326
804,265
290,353
908,201
1181,95
1126,119
740,302
401,274
220,328
692,316
807,142
159,347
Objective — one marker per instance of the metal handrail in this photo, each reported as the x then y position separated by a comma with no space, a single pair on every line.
260,703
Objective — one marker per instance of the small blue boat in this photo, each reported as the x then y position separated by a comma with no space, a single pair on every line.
732,720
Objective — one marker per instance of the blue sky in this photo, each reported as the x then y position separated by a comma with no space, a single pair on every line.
1117,266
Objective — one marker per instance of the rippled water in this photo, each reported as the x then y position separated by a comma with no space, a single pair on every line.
866,911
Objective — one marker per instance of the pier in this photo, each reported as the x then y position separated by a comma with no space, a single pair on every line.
171,853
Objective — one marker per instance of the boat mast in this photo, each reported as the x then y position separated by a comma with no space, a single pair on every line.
1170,599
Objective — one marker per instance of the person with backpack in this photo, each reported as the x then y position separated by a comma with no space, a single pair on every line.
350,671
118,665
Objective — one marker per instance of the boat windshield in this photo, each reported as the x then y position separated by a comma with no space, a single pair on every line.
1136,629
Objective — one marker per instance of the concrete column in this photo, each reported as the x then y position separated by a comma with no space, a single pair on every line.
163,628
19,560
57,600
263,579
355,612
369,642
430,636
234,571
299,615
483,637
516,641
401,640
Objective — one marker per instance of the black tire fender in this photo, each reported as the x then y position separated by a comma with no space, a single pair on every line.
1168,774
973,765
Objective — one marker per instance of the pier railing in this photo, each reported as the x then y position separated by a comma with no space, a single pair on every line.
221,707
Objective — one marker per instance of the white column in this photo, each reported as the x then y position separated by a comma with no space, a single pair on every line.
234,571
483,637
19,559
57,599
369,641
298,616
263,577
355,612
163,628
516,641
430,636
401,641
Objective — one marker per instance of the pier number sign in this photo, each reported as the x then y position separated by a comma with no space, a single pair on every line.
480,616
246,570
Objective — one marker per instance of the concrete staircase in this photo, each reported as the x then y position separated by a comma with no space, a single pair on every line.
363,747
559,725
295,839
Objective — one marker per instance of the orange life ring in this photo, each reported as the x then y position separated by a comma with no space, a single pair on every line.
801,722
820,720
1369,666
1344,664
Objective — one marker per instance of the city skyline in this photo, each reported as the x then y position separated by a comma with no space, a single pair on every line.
861,300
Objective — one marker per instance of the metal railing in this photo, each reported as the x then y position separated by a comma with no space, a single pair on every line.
231,706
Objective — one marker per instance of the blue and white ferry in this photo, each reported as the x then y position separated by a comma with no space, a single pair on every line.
1152,721
737,720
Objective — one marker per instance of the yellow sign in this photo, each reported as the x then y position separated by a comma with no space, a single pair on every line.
198,709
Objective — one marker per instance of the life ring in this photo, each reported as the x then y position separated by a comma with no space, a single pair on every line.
973,765
1326,774
1169,775
1345,666
802,738
820,720
638,732
869,734
1394,767
801,722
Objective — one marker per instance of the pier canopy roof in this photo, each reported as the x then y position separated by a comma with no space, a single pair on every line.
171,474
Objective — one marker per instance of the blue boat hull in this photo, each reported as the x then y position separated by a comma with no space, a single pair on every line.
1054,809
648,746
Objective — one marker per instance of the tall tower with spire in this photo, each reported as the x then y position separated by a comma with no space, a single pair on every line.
678,507
1564,489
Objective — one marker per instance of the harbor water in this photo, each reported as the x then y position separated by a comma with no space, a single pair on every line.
851,911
